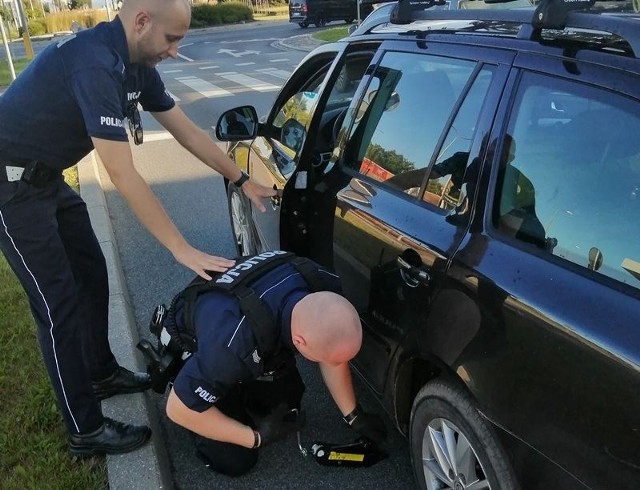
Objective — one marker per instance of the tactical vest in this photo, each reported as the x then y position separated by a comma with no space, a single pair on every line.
235,282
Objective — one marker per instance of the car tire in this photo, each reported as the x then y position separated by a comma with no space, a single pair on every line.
241,226
445,418
304,25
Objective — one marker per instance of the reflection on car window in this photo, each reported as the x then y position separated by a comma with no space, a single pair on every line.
300,107
570,175
445,179
402,116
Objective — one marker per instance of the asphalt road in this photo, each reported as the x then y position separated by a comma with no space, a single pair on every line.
194,197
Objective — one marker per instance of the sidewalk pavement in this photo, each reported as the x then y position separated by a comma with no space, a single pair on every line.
146,468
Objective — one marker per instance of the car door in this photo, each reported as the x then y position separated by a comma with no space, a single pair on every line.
555,267
403,186
299,131
271,158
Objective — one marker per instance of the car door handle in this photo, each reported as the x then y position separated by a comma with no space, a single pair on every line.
413,276
276,200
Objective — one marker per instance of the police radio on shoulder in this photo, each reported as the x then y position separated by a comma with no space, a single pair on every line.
244,176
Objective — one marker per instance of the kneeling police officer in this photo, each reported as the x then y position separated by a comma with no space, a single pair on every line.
237,389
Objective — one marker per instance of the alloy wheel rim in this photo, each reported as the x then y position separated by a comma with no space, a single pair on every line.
240,224
449,461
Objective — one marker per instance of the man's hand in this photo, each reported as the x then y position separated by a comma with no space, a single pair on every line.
256,192
278,424
200,262
369,425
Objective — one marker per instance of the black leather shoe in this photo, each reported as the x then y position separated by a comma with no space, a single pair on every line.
122,381
112,438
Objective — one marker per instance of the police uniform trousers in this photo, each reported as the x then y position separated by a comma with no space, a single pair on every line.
47,239
245,403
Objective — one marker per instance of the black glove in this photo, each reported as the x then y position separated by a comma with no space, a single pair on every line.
369,425
278,424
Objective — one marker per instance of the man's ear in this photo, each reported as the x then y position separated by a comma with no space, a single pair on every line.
142,22
298,340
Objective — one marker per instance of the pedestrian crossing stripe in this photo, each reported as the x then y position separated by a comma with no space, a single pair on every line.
203,87
247,81
275,72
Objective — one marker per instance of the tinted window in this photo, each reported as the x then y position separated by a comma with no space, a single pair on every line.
445,179
570,175
402,116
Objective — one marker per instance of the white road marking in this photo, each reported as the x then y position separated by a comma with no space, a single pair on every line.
252,83
203,87
177,99
207,67
184,57
245,64
279,60
185,45
172,71
275,72
149,137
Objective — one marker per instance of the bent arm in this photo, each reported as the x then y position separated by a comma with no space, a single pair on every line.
118,161
204,148
337,379
211,423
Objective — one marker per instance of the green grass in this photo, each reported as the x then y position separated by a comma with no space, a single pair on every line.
5,72
33,448
332,34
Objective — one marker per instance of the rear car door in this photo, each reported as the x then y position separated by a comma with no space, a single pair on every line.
405,184
554,265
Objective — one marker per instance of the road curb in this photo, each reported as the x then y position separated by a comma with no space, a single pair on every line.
146,468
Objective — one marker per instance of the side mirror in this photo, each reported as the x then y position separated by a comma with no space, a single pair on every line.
352,28
293,134
237,124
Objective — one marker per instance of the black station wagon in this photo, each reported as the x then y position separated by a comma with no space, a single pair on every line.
474,178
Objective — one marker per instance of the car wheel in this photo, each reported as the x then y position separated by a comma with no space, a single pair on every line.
304,25
241,226
452,445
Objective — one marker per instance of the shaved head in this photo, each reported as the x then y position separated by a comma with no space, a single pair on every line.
153,28
325,327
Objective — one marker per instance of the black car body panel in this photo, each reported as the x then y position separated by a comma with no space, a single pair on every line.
484,223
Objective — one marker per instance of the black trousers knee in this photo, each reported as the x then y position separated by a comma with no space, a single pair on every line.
243,403
47,239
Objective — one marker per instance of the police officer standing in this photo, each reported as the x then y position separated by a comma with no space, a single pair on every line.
72,98
235,394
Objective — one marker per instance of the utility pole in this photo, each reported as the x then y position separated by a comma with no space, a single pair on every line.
25,32
6,48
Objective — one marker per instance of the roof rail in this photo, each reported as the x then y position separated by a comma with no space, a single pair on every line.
550,14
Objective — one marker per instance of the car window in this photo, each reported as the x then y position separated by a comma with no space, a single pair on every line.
299,108
445,179
402,116
570,175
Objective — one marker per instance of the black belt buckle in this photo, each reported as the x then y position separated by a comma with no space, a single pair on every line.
37,174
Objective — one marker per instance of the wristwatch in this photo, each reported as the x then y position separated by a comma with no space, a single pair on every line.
244,176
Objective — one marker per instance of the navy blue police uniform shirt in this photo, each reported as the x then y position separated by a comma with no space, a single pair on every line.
77,88
227,351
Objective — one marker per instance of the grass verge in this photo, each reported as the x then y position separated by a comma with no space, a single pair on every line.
5,71
33,448
332,34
